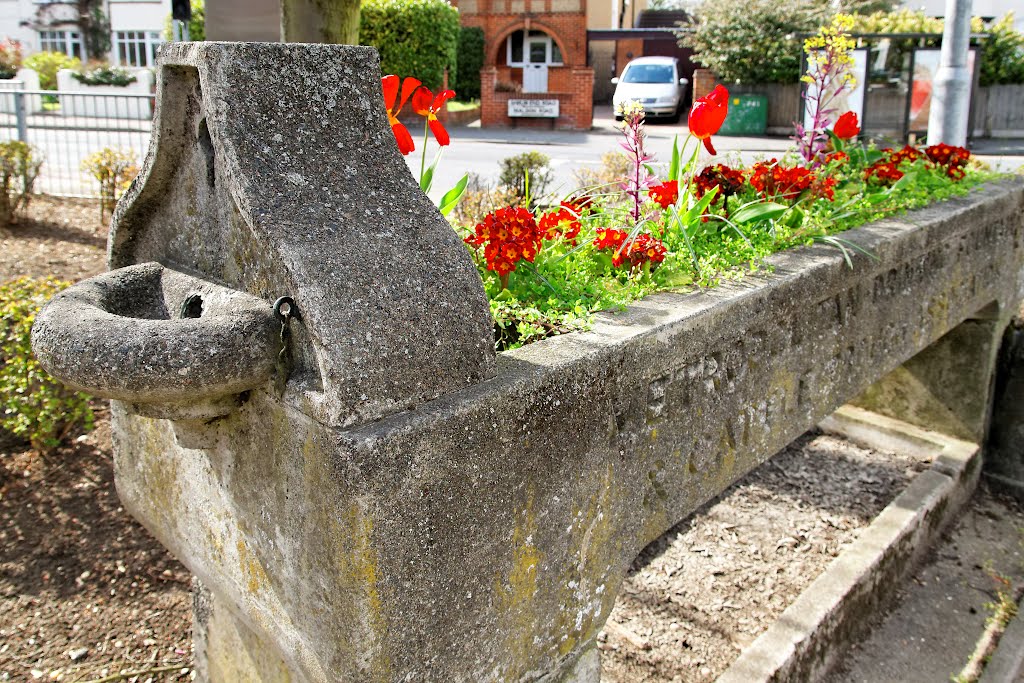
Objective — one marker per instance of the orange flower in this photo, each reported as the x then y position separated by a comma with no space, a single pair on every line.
425,104
846,126
394,104
665,194
708,114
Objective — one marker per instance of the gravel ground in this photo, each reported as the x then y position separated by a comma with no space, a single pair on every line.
696,597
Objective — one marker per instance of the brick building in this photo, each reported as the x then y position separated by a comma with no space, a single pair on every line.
535,71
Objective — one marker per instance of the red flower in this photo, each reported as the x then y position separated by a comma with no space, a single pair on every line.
846,126
665,194
837,157
782,182
729,181
508,236
389,84
425,104
642,249
708,114
953,158
883,172
568,214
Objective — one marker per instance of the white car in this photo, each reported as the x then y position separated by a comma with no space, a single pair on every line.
655,83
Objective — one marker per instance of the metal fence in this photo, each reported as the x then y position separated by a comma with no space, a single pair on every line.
66,127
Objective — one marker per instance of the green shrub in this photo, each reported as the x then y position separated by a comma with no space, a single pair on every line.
47,64
101,73
1002,62
36,406
418,38
196,25
10,58
751,41
470,61
114,169
19,169
514,172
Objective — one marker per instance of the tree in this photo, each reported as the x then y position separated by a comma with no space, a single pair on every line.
320,21
88,16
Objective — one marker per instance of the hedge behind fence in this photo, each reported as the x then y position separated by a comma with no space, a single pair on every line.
417,38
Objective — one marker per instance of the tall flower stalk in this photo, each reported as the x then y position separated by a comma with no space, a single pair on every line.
829,76
639,177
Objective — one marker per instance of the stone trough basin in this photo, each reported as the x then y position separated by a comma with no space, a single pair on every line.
394,502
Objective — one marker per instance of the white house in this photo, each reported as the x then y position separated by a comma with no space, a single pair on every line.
136,28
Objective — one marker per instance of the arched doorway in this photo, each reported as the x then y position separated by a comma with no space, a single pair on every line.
534,52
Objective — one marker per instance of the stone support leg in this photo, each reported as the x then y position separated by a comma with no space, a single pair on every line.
1004,453
948,386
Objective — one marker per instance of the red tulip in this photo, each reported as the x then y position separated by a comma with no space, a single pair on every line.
846,126
389,84
425,104
708,114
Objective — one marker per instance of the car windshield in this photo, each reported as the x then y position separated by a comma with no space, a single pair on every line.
648,73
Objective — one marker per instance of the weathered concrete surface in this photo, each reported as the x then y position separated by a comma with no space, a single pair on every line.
483,536
814,632
174,345
385,512
272,170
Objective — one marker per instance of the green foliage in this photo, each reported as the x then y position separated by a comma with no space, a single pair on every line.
19,168
1002,62
470,61
528,167
418,38
100,73
36,406
10,58
751,41
196,25
114,169
47,64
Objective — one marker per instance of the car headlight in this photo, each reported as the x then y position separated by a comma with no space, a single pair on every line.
666,100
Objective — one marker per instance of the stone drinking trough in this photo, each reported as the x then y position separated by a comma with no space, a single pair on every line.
364,490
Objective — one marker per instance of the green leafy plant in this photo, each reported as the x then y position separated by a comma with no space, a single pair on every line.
470,61
37,407
19,168
752,41
527,171
101,73
47,64
418,38
114,169
1002,60
10,58
196,25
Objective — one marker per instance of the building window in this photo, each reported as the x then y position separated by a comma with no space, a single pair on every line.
535,47
68,42
136,48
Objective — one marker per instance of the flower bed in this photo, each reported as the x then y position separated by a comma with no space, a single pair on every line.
546,269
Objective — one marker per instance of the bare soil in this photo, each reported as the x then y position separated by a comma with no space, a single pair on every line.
87,593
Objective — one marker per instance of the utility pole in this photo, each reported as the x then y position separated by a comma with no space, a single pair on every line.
951,94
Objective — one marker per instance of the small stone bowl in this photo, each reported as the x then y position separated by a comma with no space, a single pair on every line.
169,344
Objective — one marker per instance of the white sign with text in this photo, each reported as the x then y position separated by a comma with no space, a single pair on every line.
533,108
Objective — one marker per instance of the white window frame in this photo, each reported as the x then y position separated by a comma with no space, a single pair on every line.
62,40
527,38
139,47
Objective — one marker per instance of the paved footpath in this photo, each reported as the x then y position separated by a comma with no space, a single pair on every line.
941,611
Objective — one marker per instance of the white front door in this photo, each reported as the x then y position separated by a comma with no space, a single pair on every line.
535,70
535,78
